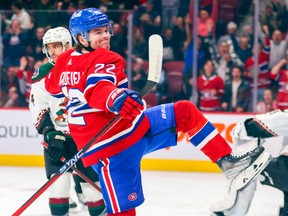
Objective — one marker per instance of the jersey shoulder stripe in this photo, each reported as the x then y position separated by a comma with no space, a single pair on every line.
41,72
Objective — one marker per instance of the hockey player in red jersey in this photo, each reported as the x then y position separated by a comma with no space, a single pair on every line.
280,75
49,116
93,78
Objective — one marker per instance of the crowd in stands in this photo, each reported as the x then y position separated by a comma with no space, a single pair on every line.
225,48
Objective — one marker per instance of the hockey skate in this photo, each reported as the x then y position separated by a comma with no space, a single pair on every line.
242,169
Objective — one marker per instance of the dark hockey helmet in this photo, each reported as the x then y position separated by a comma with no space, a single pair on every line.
82,21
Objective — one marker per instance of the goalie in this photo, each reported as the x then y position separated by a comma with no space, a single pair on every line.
252,132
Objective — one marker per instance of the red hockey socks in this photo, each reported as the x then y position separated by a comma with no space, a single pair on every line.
202,134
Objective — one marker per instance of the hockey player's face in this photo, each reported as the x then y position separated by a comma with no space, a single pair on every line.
54,50
100,38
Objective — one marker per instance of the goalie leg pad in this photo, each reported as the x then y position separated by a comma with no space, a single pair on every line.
236,202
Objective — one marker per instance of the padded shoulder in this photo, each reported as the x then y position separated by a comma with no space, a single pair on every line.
42,72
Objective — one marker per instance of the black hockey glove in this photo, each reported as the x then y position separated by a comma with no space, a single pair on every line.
55,140
255,130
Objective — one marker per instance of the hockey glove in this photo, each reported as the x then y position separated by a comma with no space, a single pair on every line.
254,129
55,140
126,103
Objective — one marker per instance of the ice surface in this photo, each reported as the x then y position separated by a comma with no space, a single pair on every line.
166,193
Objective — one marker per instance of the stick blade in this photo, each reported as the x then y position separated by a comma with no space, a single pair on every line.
155,58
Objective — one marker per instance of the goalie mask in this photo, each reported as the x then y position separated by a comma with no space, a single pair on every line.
54,35
82,21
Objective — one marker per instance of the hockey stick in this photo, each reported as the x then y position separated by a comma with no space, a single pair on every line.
78,172
154,73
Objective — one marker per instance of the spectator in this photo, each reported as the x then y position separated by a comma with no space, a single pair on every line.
14,42
222,59
150,19
169,12
278,48
179,31
183,8
10,80
237,92
64,4
242,49
3,98
129,5
13,97
139,76
231,29
269,18
267,104
106,6
262,71
119,40
140,46
205,20
162,88
64,11
211,88
44,19
188,66
171,50
282,15
24,75
21,15
249,32
280,74
36,44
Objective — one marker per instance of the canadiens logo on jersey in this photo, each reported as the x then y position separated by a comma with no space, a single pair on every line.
132,196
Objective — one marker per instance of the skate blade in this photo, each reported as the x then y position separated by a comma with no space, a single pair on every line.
241,181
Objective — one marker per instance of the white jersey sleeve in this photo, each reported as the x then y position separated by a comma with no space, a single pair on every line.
46,110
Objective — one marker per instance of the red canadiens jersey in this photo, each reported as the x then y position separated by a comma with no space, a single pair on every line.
263,71
210,101
282,98
87,80
25,80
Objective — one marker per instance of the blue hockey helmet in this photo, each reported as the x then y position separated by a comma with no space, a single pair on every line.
82,21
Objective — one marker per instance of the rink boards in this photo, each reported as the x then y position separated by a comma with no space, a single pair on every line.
20,145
